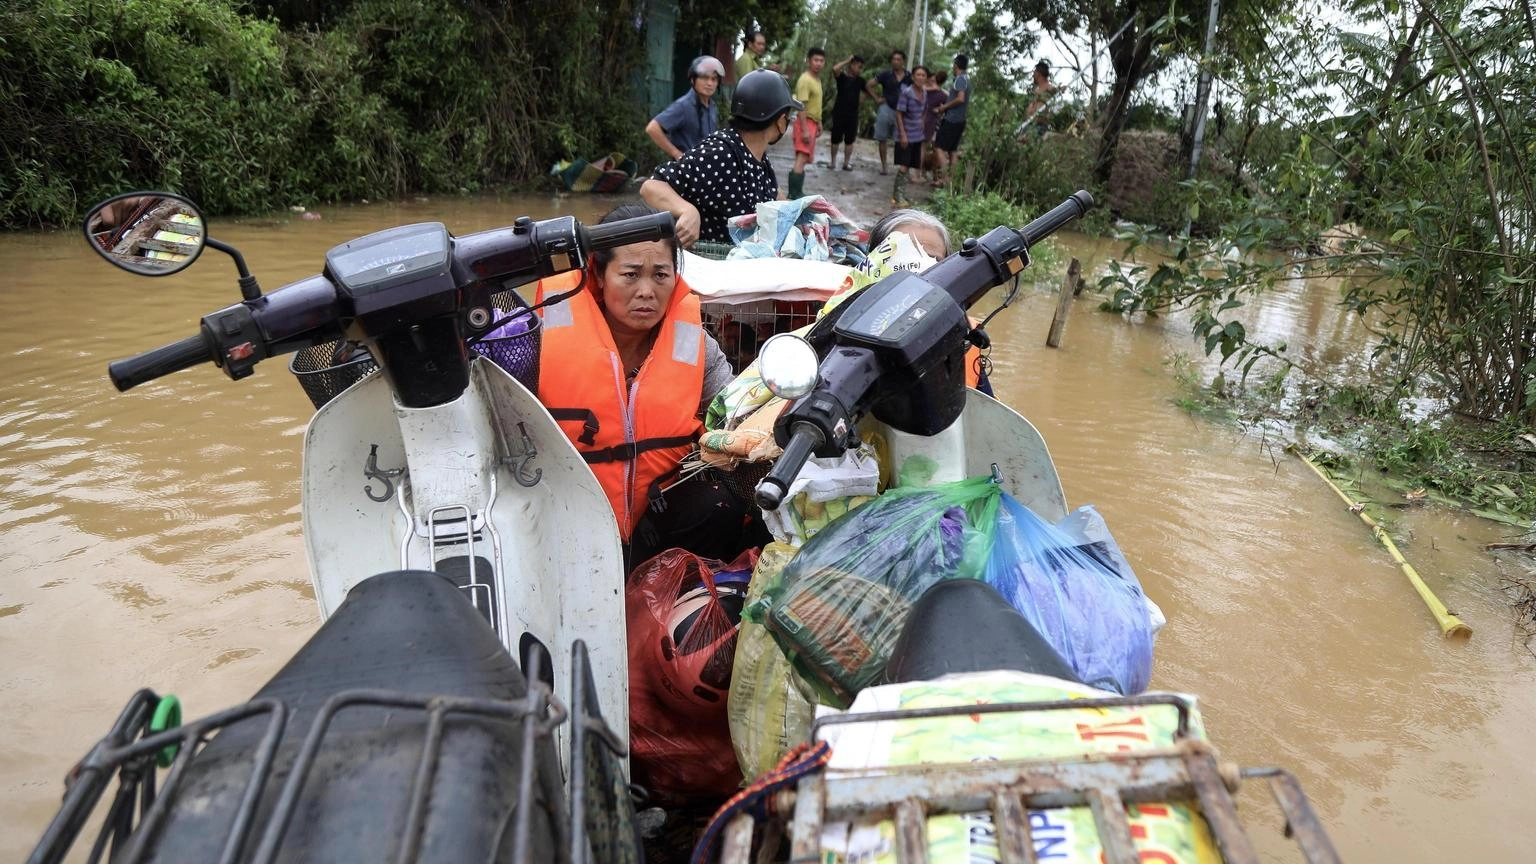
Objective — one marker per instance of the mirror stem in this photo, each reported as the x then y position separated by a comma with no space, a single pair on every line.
249,290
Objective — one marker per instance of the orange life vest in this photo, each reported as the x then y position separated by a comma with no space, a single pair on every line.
631,435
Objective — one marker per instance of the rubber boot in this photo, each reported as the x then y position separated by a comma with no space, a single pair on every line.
796,185
899,191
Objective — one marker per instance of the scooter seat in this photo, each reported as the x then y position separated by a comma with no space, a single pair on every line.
412,632
964,625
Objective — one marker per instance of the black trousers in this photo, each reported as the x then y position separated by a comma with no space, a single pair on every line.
701,515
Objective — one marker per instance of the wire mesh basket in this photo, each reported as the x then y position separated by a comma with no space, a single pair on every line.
326,369
514,346
741,328
712,250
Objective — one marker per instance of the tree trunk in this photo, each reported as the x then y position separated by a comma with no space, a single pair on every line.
1130,65
1346,209
1239,162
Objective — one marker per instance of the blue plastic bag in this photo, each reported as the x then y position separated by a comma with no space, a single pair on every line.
1095,617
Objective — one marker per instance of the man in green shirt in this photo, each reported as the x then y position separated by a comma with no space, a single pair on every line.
808,123
751,53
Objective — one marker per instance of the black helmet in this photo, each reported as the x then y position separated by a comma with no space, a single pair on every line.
761,95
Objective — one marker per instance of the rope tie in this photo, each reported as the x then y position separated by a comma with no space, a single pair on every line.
756,799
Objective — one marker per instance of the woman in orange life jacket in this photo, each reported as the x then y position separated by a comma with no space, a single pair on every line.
627,369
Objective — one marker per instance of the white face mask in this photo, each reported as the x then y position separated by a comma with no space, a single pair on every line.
898,253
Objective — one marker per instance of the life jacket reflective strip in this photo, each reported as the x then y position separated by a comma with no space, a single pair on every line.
632,437
972,366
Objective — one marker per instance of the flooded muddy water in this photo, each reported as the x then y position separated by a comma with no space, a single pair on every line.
152,539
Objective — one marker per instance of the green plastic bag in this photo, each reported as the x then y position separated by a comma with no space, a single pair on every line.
838,606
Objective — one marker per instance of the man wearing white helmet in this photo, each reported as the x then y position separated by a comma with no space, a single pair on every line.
683,124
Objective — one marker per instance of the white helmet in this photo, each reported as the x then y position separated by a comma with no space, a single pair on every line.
705,65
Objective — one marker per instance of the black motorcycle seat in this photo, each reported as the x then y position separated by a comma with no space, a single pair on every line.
412,632
964,625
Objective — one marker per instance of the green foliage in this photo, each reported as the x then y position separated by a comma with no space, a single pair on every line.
976,214
700,21
388,97
1430,164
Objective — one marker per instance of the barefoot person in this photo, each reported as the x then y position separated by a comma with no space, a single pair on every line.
911,105
952,126
848,75
889,81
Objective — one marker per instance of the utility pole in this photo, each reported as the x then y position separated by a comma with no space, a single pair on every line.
922,44
1203,89
912,40
1093,80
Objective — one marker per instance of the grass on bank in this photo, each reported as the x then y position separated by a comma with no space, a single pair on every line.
1484,467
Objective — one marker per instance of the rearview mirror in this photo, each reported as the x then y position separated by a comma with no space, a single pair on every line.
149,233
788,366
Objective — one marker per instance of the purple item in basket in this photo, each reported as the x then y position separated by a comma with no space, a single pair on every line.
514,346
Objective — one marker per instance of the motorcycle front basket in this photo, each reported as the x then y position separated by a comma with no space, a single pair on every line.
517,353
326,369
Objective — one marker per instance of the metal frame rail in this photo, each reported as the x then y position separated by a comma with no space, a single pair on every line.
138,810
1104,782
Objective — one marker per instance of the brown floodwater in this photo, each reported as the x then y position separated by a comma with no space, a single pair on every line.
152,539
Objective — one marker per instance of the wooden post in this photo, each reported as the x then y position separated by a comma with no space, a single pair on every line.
1064,304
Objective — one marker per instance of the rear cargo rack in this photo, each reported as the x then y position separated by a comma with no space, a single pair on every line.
1189,771
599,797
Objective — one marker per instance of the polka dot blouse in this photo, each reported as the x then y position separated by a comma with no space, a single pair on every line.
722,179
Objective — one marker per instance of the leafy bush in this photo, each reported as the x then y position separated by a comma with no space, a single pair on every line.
387,97
975,215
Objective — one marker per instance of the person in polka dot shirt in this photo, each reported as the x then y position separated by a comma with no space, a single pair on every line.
728,173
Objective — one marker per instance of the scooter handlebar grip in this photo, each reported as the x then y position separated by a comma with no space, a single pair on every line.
656,226
133,371
1079,203
772,488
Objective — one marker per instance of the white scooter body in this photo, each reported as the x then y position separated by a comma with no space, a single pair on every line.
556,565
988,433
557,569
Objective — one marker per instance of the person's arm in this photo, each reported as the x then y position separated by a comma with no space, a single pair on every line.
869,87
837,67
660,195
959,98
717,373
659,135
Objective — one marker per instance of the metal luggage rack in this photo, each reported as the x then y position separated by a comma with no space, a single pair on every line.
1189,771
599,813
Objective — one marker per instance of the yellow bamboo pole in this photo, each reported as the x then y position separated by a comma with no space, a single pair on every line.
1450,625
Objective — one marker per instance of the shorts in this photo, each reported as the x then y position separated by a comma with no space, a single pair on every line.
885,123
910,155
805,132
948,136
844,129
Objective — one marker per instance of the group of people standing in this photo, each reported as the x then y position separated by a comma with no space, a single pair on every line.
915,110
924,119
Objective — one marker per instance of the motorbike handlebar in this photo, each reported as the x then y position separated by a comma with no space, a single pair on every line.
657,226
802,442
184,354
1057,217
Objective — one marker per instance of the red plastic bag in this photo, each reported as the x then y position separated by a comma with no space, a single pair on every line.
683,613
